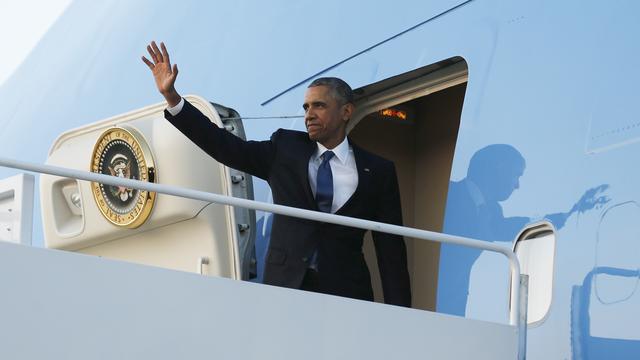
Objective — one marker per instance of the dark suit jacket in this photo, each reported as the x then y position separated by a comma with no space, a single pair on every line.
283,162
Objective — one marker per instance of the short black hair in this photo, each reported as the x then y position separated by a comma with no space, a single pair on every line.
340,90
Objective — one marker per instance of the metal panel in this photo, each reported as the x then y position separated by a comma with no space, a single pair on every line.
16,208
74,306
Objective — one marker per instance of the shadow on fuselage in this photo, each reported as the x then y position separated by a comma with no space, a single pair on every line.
473,210
584,344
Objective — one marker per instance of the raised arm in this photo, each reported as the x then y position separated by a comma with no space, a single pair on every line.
253,157
164,74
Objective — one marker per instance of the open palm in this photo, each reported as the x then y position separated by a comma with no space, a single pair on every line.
164,74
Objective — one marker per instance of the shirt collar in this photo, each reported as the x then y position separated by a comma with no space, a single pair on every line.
341,151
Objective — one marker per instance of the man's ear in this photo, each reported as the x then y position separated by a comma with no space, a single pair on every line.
347,111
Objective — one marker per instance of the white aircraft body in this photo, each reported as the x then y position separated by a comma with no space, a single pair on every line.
511,123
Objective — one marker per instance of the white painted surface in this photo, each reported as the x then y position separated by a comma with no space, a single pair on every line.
60,305
177,233
177,162
537,256
16,209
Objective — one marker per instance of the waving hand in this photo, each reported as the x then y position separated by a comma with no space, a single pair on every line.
164,74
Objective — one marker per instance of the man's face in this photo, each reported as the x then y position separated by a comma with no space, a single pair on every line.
325,118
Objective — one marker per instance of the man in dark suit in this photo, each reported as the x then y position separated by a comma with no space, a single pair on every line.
319,170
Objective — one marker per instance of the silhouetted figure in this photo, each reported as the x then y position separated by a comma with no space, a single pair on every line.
473,210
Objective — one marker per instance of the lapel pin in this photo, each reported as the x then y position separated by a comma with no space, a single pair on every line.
366,169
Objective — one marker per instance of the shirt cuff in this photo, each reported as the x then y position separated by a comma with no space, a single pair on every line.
176,109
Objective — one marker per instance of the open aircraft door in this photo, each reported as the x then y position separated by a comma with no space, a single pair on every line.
142,227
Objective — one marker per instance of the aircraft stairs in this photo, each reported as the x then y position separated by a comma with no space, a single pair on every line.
64,305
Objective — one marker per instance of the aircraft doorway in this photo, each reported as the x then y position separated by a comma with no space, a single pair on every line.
420,140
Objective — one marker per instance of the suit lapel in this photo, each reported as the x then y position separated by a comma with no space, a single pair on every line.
303,167
364,178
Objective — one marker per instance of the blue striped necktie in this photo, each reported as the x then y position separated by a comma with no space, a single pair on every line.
324,184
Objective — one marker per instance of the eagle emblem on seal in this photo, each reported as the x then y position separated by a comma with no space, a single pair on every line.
123,152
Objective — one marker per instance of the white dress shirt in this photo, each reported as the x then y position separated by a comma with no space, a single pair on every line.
343,168
176,109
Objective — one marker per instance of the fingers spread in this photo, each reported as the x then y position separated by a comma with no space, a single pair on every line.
149,63
157,51
152,54
165,54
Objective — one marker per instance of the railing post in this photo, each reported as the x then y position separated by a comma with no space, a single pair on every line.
523,288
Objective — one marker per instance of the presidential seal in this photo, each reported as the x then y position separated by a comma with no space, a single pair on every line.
122,152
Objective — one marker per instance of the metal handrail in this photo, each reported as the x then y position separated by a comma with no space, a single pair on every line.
514,265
